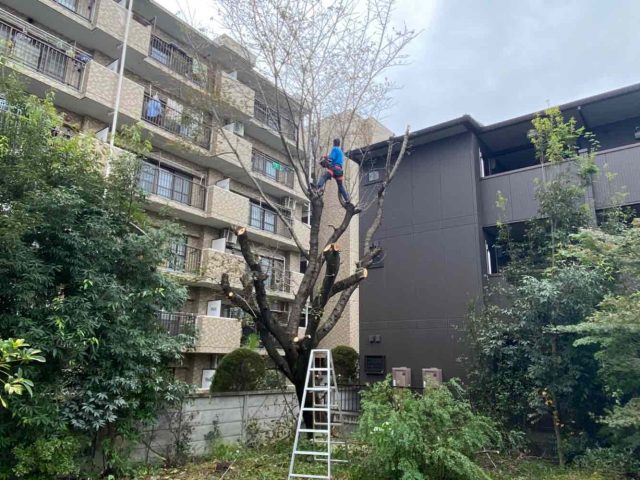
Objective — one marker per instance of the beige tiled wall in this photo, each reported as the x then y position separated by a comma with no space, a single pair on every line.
218,335
111,18
235,93
102,83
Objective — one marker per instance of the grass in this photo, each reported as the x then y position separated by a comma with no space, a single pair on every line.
232,462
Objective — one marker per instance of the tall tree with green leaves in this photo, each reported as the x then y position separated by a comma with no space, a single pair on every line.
80,280
523,368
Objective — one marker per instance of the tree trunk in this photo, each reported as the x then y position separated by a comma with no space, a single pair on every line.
555,410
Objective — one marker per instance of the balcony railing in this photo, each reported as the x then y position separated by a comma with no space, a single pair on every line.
279,281
167,184
22,43
271,168
177,323
84,8
269,116
185,259
178,61
172,117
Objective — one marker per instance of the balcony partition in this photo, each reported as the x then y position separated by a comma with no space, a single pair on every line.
173,117
41,52
172,185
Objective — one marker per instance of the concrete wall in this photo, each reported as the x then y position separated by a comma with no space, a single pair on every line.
228,413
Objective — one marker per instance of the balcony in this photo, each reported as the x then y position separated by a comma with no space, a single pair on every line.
269,117
177,323
280,283
173,118
101,84
38,51
176,60
228,141
172,186
271,168
184,259
518,186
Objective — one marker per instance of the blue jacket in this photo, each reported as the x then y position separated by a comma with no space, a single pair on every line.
337,157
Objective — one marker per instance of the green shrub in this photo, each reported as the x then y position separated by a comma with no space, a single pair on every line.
345,362
241,370
48,458
433,436
610,460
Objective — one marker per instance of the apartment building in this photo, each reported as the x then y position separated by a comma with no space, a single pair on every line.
197,100
439,229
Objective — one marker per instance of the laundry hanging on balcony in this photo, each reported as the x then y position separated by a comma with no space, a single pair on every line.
154,107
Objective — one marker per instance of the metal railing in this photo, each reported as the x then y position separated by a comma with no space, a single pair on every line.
174,58
23,45
176,119
83,8
269,116
271,168
278,280
177,323
164,183
184,259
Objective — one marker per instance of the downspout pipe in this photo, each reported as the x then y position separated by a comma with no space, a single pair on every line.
116,110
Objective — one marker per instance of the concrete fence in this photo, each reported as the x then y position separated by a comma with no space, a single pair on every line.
230,417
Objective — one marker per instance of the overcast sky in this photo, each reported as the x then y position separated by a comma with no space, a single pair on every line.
496,59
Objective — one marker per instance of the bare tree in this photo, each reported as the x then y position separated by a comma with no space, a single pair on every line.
315,60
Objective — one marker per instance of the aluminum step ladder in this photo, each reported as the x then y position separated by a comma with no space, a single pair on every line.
322,386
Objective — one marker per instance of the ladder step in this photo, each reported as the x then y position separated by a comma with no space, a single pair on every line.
333,424
319,369
311,452
303,475
319,389
312,430
315,409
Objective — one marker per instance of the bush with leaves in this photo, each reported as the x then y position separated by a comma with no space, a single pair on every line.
345,363
522,369
241,370
13,353
419,437
80,278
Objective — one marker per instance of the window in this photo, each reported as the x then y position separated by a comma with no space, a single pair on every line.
262,218
166,183
374,364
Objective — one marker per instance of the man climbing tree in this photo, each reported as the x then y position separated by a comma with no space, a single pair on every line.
301,47
334,165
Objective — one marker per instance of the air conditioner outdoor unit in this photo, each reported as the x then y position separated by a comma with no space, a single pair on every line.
401,376
431,377
230,237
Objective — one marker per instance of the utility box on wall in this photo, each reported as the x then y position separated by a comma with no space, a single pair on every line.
431,376
401,376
